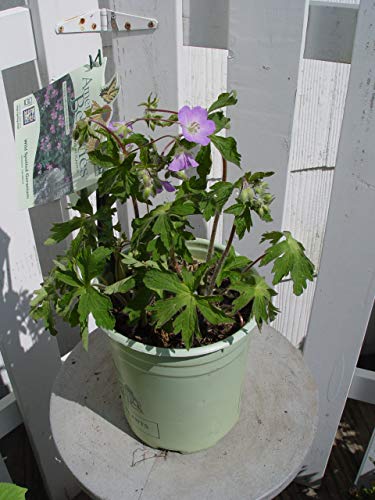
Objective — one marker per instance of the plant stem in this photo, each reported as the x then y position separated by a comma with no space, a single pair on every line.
217,217
249,266
162,111
167,146
152,142
122,146
147,119
221,261
213,236
135,206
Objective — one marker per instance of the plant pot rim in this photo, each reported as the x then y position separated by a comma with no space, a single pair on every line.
181,352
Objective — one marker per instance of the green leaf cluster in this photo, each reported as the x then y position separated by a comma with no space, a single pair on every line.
147,273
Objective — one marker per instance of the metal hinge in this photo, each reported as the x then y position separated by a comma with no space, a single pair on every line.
105,20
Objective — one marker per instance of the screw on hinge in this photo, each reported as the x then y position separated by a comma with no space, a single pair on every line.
127,26
61,29
151,24
82,20
93,26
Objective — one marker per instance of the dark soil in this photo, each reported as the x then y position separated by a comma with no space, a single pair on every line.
162,338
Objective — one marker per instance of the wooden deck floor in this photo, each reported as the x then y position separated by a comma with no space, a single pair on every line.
352,438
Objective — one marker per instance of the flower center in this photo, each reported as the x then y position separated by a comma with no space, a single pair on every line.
194,127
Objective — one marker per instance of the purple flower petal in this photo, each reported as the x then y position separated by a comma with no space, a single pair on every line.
168,186
184,115
195,125
182,162
208,127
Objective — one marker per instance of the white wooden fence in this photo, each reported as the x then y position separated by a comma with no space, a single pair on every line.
292,97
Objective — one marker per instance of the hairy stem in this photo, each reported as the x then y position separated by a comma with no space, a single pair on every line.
249,266
147,119
216,218
135,207
167,146
213,236
221,261
162,111
152,142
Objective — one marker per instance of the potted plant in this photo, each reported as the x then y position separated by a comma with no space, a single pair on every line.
178,311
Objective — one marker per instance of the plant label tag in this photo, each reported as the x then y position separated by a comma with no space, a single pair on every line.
49,163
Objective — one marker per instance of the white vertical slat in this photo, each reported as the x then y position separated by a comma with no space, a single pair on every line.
264,46
30,354
305,214
58,54
204,77
320,102
148,62
345,287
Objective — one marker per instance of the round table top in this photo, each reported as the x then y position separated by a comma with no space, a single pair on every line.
257,459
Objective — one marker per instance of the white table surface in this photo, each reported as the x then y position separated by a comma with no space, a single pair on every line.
259,457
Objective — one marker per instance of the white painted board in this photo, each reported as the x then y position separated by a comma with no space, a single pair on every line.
58,54
319,109
264,52
30,354
345,287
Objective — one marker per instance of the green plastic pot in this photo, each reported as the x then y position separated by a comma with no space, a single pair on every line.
179,399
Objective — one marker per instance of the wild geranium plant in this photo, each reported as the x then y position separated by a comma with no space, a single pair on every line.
147,284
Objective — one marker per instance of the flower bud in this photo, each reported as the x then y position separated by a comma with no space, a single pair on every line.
147,192
247,195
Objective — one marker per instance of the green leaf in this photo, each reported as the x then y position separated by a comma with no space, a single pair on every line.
183,206
92,264
164,280
242,217
215,199
122,286
91,301
83,204
225,99
220,120
164,228
188,278
289,258
228,148
232,266
257,290
135,308
204,161
69,278
12,492
138,139
61,230
165,309
101,159
186,323
213,314
39,296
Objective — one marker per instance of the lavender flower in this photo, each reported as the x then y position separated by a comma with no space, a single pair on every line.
181,162
167,186
195,125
